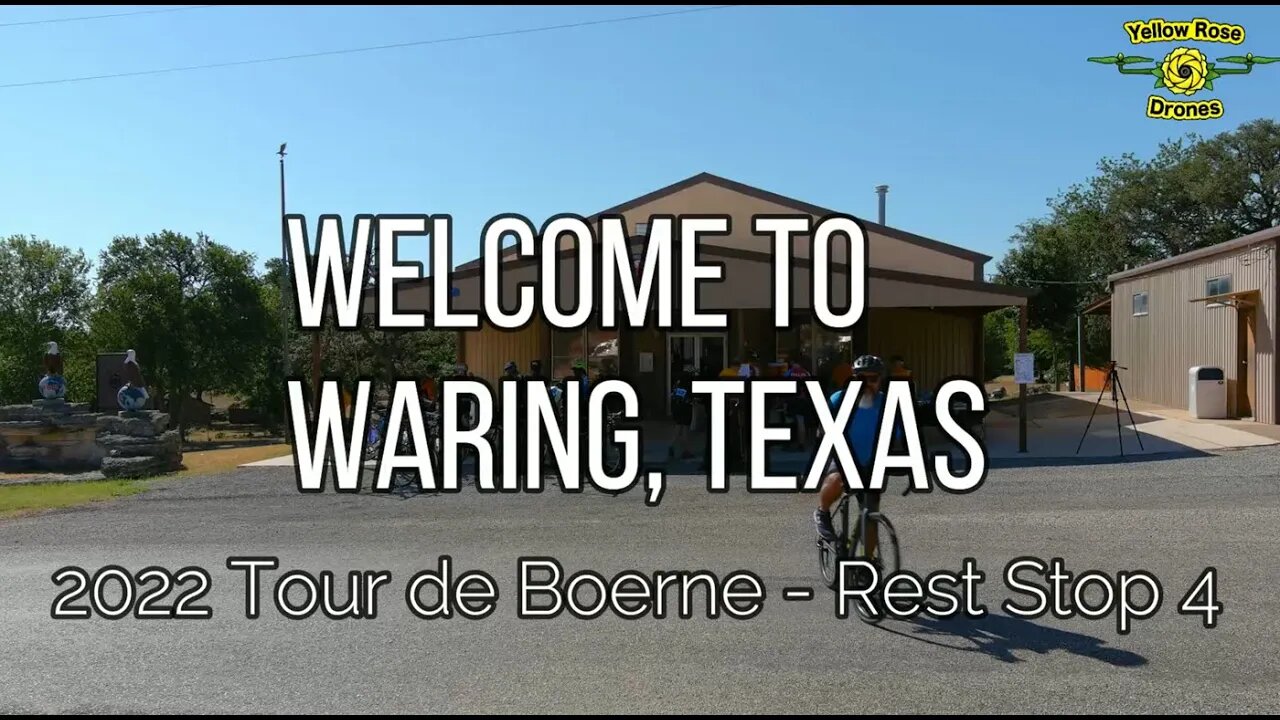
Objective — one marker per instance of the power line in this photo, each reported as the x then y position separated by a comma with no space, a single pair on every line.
1055,282
101,17
372,48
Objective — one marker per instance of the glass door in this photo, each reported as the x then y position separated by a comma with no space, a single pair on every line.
707,352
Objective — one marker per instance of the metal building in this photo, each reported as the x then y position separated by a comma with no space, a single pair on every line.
1210,307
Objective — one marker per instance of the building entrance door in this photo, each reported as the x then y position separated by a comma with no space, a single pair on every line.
1245,350
708,352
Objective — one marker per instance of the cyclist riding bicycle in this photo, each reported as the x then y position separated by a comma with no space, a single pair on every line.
861,431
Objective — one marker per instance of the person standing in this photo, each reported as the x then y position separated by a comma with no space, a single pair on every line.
682,408
799,406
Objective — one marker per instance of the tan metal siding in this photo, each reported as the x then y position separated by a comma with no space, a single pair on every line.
486,350
1160,348
935,345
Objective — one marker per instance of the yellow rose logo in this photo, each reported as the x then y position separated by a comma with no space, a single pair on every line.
1185,71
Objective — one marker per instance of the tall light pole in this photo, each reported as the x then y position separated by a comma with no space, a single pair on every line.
284,287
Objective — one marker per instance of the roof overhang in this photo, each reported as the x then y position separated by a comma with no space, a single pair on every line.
746,282
1241,299
1101,306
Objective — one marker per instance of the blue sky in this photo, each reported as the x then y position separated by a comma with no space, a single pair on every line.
973,116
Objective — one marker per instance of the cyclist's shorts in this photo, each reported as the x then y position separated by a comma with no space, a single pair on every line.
869,498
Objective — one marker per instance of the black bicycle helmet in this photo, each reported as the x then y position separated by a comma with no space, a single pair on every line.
868,364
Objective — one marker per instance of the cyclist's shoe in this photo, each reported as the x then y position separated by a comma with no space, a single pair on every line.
822,521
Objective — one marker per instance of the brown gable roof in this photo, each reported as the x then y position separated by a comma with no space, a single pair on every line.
784,201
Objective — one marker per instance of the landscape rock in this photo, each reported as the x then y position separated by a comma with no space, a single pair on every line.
133,467
56,435
166,445
52,435
72,422
145,423
28,452
18,413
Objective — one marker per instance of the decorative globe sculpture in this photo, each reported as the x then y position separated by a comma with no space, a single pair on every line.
53,387
132,398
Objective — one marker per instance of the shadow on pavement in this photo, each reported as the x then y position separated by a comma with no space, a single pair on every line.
1001,635
1029,461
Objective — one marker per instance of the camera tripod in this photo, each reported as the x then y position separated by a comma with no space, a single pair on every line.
1117,394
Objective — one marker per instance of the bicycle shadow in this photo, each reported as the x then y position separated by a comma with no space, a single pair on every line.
1001,635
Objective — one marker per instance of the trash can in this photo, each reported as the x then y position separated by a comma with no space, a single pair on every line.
1207,393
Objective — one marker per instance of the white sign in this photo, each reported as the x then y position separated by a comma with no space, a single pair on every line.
1024,368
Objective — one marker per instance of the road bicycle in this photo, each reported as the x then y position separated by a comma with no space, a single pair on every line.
851,545
404,480
612,452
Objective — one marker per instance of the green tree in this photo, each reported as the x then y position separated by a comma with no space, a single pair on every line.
191,308
46,298
351,355
998,351
1192,193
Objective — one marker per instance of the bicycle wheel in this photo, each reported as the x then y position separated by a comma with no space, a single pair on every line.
612,451
404,481
830,554
886,559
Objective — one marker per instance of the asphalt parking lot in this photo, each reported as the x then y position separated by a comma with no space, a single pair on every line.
1171,518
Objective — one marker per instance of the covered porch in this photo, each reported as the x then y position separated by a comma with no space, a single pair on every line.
934,323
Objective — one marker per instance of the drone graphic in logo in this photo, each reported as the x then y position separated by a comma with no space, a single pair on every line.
1185,70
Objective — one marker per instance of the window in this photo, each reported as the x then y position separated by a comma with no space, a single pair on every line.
566,349
642,229
1217,286
819,350
1139,304
594,345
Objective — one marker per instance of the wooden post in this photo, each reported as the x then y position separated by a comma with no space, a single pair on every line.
315,366
1022,388
1080,347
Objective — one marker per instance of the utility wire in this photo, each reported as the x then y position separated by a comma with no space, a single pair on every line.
372,48
113,15
1057,282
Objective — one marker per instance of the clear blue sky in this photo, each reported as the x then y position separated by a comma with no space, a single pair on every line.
974,117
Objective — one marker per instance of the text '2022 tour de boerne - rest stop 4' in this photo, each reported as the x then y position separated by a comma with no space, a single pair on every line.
672,280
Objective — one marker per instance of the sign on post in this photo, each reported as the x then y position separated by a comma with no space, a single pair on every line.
1024,368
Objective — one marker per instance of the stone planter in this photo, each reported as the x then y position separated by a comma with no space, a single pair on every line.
57,436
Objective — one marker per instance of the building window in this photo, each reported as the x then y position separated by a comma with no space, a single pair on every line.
602,352
819,350
1139,304
596,346
642,229
566,349
1217,286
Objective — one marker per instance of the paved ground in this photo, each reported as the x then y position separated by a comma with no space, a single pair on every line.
1172,518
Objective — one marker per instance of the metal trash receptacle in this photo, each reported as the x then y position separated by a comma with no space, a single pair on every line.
1207,393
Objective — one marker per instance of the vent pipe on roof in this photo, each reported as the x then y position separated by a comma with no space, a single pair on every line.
881,190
